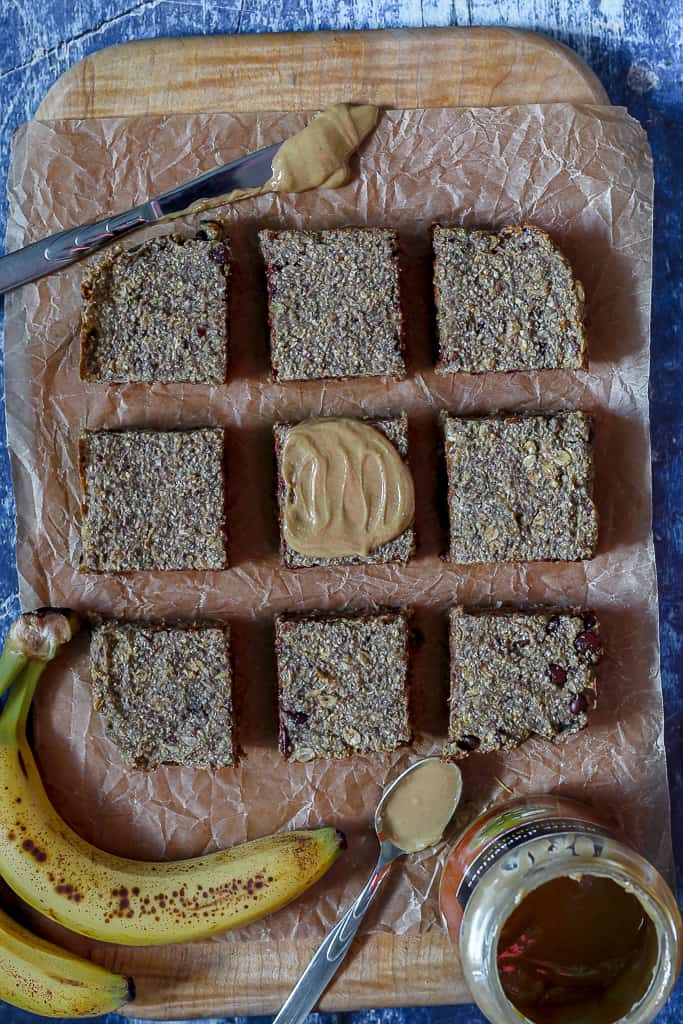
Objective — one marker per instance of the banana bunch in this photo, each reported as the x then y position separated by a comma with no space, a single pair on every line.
112,898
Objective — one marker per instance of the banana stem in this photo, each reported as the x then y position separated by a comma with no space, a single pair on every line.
35,638
11,664
15,712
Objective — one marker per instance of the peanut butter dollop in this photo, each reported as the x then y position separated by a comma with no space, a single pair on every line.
347,489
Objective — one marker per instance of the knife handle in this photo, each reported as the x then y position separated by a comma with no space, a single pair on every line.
67,247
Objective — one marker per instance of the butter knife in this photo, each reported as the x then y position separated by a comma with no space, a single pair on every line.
67,247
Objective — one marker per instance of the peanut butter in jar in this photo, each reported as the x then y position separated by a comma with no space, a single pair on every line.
557,920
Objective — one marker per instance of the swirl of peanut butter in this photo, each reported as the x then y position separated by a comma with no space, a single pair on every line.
347,489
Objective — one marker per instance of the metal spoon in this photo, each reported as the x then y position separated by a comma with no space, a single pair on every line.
327,960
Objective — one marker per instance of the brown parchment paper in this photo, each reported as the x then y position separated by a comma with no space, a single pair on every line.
585,175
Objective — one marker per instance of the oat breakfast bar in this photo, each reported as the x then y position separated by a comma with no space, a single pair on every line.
158,312
333,303
165,692
343,684
520,488
516,675
400,549
505,301
152,500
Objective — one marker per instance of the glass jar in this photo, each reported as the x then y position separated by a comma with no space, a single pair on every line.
516,847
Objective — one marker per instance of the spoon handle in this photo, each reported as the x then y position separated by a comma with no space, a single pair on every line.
326,961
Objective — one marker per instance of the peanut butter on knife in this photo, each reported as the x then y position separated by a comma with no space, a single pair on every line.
316,157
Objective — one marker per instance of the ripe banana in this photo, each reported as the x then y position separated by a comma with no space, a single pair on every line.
40,977
136,903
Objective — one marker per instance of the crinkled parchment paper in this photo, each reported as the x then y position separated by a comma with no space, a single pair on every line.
585,175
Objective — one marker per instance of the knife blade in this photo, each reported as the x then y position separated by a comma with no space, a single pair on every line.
66,247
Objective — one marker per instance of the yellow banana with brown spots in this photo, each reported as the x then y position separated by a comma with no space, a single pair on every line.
37,976
136,903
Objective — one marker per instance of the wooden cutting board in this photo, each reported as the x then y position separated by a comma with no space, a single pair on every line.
399,69
404,69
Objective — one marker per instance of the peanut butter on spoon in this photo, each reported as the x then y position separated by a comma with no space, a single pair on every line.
416,813
412,815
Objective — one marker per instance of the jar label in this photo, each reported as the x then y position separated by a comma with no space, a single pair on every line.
553,828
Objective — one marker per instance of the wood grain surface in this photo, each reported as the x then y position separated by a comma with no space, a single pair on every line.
212,979
407,69
404,69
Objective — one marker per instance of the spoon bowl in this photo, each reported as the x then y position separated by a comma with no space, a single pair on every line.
422,800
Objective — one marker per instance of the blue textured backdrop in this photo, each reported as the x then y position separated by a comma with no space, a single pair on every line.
635,46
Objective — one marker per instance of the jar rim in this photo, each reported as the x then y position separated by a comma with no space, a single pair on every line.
662,912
